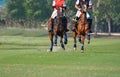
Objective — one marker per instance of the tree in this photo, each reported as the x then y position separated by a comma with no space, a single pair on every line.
36,9
109,12
15,9
40,10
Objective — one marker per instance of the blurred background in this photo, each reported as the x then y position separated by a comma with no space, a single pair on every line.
34,14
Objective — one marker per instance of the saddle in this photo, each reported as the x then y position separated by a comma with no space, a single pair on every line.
64,22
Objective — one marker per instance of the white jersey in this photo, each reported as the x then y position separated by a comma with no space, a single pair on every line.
78,14
78,2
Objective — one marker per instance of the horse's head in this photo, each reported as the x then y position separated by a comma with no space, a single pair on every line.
59,15
83,5
59,20
83,17
60,12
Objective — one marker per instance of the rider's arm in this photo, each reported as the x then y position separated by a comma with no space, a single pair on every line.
90,7
77,5
90,4
53,4
64,5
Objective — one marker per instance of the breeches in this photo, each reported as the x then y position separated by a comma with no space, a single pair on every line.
78,14
54,14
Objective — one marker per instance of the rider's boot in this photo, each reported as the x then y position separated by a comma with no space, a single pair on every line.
51,24
66,29
75,23
65,26
75,19
90,24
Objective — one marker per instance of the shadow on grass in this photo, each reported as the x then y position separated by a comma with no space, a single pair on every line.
17,48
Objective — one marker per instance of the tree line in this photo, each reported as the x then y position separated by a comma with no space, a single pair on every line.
106,13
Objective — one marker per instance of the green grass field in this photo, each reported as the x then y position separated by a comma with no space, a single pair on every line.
28,57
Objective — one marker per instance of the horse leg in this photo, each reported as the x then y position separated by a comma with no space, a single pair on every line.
51,39
82,47
79,38
55,40
50,26
61,42
88,37
74,37
65,38
87,32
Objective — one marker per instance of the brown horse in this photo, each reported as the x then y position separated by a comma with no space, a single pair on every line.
82,28
58,29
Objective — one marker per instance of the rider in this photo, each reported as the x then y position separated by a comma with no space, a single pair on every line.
55,5
89,12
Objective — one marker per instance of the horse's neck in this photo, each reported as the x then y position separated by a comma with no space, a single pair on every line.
83,18
58,19
58,23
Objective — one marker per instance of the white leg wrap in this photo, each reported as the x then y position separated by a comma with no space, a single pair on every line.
78,13
88,15
54,14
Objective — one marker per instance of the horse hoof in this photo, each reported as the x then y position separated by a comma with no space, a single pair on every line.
88,41
65,42
49,50
79,40
74,49
82,51
55,44
63,49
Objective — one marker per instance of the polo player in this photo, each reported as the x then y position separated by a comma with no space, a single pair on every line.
56,4
88,13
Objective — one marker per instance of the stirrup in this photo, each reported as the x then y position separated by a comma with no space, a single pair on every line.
66,30
90,31
50,30
74,19
74,30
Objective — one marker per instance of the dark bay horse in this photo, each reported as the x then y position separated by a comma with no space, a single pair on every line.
82,28
58,30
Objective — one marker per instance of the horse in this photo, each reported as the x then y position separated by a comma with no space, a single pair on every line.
58,30
82,28
65,37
